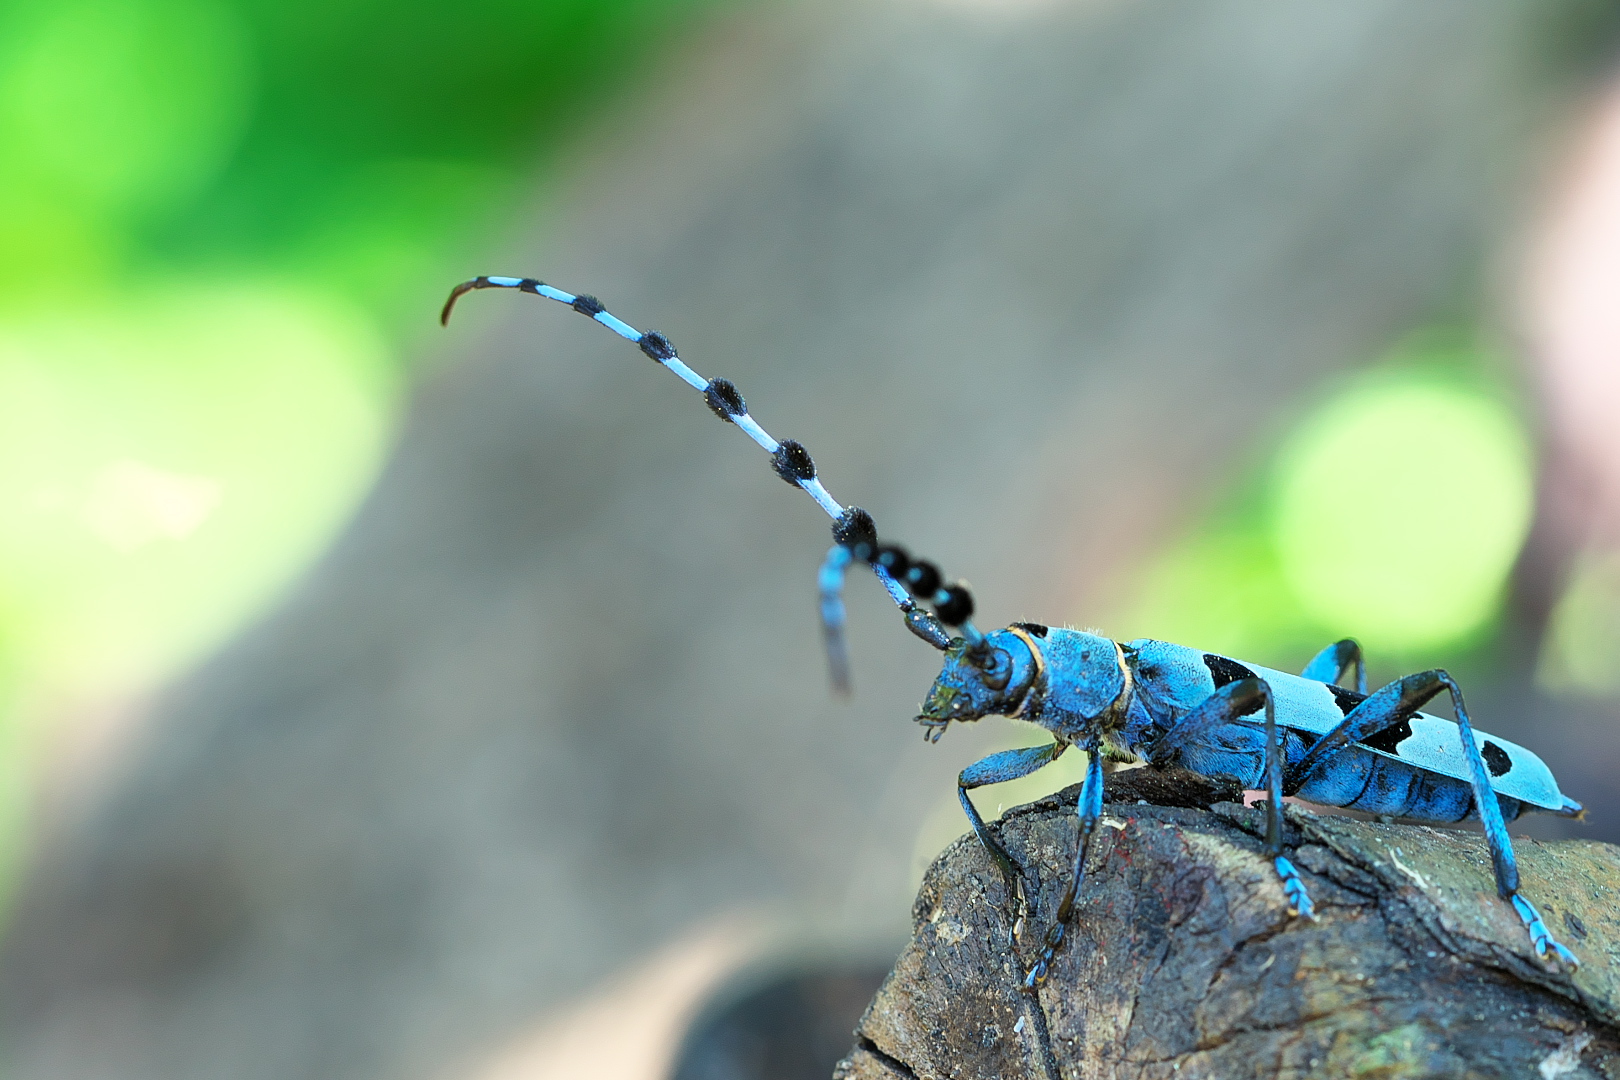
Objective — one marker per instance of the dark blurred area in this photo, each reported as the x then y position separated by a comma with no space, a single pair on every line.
1240,324
795,1026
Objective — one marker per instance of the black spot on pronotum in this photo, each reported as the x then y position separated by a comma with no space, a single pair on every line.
922,579
1033,629
657,346
724,399
1226,671
1496,758
854,527
1389,740
586,304
1346,699
792,462
953,604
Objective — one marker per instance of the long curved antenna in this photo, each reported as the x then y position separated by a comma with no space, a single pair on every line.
830,581
854,531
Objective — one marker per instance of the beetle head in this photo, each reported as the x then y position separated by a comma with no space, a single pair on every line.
989,679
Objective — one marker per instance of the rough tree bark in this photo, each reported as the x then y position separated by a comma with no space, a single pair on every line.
1183,961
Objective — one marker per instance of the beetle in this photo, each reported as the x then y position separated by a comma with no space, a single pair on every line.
1152,701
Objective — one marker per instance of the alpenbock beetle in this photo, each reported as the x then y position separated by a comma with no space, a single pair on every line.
1152,701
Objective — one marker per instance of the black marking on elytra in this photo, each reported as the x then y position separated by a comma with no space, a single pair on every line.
792,462
586,304
1035,629
724,399
1345,699
854,527
1389,740
922,579
1226,671
1496,758
659,347
953,604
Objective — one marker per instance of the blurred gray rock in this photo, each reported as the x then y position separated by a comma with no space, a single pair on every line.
1023,278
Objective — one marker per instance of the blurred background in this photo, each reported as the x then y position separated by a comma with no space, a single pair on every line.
379,701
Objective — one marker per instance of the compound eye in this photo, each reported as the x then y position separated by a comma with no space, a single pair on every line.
998,671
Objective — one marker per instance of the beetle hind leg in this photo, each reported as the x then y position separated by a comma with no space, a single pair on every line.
1540,938
1391,705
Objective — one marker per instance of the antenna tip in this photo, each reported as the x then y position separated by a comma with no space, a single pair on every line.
456,294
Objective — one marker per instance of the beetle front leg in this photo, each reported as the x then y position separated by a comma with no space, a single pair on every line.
996,769
1090,811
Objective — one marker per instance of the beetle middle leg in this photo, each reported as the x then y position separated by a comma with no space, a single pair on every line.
1226,705
1387,708
997,769
1090,811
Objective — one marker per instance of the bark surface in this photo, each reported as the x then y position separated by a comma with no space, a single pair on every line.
1183,961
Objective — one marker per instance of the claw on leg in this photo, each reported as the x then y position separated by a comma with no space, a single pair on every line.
1540,938
1299,901
1022,904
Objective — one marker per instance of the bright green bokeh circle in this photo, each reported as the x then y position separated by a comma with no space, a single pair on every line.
1398,509
121,105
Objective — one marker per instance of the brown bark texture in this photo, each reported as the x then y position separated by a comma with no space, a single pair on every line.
1182,960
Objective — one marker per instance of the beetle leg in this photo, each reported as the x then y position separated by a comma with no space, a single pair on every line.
1496,835
1225,706
1238,698
1090,811
1331,663
1388,707
996,769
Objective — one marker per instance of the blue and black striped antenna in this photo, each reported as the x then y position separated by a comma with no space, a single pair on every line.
855,537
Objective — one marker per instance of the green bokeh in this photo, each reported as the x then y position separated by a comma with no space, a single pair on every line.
223,223
123,106
1391,511
162,468
1583,635
1398,508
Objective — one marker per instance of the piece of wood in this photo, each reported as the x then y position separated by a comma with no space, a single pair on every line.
1183,961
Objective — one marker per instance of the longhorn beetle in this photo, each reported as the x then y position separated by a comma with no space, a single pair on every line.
1149,700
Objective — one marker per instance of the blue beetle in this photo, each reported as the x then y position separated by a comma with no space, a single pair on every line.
1151,701
1298,735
